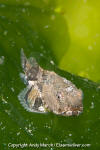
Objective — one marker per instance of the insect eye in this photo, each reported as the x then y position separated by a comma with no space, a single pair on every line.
58,96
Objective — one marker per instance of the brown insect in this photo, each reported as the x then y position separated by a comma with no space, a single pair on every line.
47,91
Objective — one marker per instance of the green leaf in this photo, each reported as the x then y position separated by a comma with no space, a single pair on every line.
51,31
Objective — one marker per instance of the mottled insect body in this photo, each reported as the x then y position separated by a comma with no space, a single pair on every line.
47,91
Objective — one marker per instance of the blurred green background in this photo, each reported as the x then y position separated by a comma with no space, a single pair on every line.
63,36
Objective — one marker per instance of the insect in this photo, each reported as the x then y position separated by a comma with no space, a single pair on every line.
47,91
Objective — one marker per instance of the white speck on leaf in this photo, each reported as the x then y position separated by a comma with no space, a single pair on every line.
41,54
12,89
98,87
8,112
85,1
29,131
52,62
2,5
90,47
92,105
85,80
23,10
3,128
27,3
46,27
97,35
1,123
70,134
4,101
2,60
18,133
5,32
46,138
42,47
52,17
93,96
